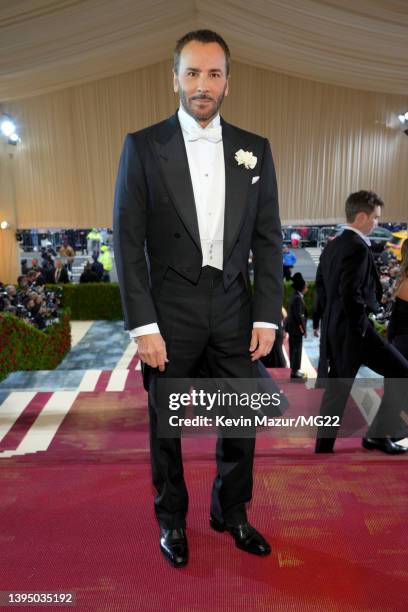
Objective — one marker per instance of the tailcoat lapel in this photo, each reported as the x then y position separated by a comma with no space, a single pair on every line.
169,145
237,181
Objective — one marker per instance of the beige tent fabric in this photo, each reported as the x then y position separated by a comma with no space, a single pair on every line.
327,141
52,44
9,264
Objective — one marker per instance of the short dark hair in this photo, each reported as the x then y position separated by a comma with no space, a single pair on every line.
361,201
203,36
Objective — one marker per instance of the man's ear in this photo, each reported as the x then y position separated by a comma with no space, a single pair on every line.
360,217
227,87
175,82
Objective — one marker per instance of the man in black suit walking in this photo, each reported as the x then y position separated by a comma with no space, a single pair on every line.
194,195
348,291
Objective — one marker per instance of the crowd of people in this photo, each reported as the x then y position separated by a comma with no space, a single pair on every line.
56,267
53,268
388,269
31,301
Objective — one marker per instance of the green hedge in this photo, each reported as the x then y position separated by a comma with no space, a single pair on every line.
93,301
23,347
101,301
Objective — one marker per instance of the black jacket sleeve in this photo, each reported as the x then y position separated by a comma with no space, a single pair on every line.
129,229
267,246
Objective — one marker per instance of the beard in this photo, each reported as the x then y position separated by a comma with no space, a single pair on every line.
204,112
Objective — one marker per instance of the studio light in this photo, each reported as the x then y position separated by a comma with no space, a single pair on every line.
4,225
7,127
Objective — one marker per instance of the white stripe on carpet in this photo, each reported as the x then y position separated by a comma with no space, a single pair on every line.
78,331
117,380
127,356
12,407
89,380
42,431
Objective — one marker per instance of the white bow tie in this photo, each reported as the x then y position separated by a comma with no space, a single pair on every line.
211,134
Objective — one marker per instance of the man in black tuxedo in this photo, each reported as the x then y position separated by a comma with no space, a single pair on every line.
60,274
348,291
296,326
194,195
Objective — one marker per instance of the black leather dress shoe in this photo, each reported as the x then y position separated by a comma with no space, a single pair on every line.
325,445
173,544
246,537
386,445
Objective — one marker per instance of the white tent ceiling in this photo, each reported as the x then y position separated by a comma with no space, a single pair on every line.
47,45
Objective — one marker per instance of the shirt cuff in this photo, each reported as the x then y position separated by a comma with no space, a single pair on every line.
263,324
143,330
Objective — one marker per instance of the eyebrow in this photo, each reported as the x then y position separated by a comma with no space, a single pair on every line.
198,70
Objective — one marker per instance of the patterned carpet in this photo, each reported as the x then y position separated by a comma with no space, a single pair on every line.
76,501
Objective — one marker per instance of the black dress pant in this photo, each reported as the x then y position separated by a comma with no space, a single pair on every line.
295,351
382,357
204,327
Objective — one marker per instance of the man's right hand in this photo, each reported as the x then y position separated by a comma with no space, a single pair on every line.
152,350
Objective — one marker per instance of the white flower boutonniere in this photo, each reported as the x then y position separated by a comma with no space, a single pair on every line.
247,158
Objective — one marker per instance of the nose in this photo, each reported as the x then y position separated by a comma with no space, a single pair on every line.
202,85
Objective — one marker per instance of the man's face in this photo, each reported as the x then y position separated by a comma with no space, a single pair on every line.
370,222
201,81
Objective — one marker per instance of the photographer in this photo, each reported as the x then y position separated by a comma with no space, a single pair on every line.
12,295
31,302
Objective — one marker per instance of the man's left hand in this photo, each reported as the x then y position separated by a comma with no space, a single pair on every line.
261,342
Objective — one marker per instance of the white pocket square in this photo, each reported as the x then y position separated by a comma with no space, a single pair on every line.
255,179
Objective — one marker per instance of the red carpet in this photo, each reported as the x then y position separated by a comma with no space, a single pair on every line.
78,517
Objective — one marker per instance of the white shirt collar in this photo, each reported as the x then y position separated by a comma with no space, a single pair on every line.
363,236
187,122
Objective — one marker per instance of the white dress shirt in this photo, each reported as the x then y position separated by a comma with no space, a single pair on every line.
205,155
207,171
